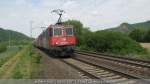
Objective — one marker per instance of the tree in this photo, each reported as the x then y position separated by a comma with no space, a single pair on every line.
147,37
80,31
138,35
77,25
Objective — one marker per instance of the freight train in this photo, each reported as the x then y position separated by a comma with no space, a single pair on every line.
58,39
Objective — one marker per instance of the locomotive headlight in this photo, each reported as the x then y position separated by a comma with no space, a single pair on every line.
64,39
56,42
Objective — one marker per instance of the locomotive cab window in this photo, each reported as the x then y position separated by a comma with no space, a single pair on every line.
69,31
51,32
57,31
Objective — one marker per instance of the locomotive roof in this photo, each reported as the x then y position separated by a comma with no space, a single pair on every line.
62,25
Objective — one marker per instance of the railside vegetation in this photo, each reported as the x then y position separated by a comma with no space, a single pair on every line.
105,41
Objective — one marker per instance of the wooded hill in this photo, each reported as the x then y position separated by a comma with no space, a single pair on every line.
127,28
5,35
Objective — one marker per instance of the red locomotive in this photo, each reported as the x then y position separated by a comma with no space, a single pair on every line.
58,39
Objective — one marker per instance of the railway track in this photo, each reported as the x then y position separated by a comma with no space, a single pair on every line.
106,76
138,68
131,68
136,62
106,71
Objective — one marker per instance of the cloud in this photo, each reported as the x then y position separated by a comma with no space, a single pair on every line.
96,14
70,4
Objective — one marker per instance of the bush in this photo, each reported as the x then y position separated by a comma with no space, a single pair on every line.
113,42
140,35
107,41
3,47
147,37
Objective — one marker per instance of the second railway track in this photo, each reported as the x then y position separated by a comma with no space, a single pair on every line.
136,62
108,76
134,68
137,68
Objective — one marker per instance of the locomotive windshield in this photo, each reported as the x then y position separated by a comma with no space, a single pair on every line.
57,31
69,31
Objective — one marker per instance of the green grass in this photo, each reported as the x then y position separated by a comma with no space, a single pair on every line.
22,67
28,66
3,47
144,56
5,56
36,66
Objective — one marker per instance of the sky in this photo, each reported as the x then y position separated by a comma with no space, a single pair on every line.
96,14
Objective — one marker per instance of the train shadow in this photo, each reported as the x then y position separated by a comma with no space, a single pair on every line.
56,56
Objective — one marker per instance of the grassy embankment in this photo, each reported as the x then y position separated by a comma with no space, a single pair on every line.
28,66
8,54
147,46
8,66
21,65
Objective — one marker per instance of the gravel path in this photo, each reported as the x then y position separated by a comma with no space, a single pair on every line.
53,68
